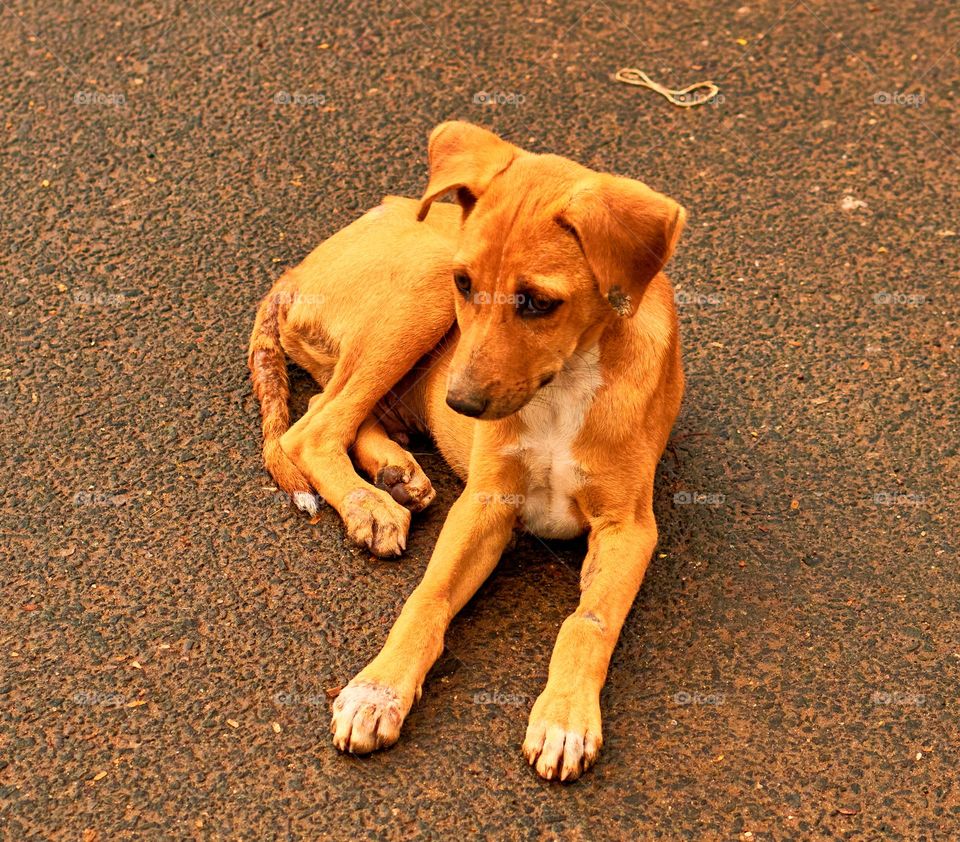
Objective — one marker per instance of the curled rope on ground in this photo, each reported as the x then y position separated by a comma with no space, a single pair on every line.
681,98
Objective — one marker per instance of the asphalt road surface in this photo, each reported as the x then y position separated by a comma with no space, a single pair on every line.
171,630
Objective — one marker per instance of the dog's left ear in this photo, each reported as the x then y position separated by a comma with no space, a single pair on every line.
465,158
627,232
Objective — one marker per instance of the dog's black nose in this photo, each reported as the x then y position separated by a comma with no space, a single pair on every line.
472,406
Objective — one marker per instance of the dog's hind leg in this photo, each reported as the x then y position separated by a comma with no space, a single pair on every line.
391,467
319,442
364,307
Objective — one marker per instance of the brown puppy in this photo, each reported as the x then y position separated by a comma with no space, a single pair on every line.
531,332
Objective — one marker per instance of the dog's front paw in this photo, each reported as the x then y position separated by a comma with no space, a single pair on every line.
408,485
563,738
366,717
375,521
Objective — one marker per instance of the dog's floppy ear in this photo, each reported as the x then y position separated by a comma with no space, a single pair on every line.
627,232
465,158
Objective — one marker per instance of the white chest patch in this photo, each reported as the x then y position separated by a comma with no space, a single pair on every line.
551,423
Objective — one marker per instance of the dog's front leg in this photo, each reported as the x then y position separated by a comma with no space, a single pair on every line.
369,711
563,738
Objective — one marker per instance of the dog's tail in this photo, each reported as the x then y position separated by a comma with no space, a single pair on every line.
268,368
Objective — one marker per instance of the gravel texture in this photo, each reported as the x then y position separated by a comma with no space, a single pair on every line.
171,630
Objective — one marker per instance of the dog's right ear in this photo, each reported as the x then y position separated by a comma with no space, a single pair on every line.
465,158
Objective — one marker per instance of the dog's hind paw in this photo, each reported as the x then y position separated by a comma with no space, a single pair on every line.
409,486
375,521
366,717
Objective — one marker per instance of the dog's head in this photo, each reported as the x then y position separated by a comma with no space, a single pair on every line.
549,253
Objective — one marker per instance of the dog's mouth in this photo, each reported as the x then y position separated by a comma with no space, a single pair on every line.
500,414
550,386
486,409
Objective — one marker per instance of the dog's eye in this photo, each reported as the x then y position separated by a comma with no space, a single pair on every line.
537,305
462,280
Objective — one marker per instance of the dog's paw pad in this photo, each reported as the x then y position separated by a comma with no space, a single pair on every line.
375,521
408,485
366,717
